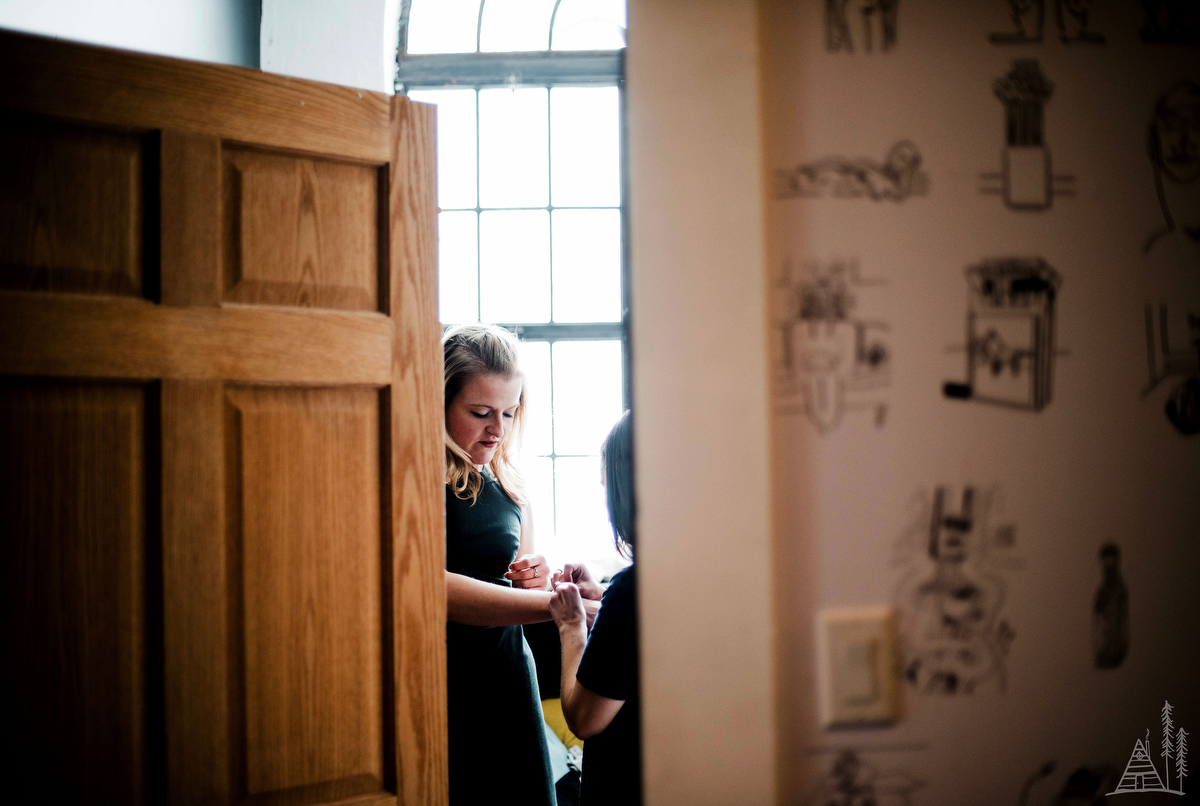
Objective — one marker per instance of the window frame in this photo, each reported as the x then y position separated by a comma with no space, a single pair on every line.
548,68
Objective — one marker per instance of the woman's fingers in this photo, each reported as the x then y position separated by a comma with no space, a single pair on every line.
529,571
578,573
526,561
524,573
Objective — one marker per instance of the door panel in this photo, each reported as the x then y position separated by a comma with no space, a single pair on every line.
301,231
305,515
71,207
229,583
76,642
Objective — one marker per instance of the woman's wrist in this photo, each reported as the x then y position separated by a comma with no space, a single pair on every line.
572,627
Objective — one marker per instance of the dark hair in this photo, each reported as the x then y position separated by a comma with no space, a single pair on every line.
616,455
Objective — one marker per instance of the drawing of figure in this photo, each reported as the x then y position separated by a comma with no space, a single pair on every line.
1072,18
837,24
1174,146
1183,403
837,27
895,179
1026,179
1029,20
1028,17
956,637
851,781
827,354
1171,21
1110,615
885,11
1010,333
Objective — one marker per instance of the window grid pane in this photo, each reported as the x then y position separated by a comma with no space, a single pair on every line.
589,25
560,461
513,148
585,147
587,394
590,281
462,26
509,26
442,26
457,146
514,265
586,265
458,266
569,383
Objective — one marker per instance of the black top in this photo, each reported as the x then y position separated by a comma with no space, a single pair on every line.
497,738
612,760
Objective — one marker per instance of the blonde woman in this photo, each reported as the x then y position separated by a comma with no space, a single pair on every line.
494,580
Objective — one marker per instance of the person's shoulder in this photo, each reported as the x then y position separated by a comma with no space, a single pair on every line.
623,583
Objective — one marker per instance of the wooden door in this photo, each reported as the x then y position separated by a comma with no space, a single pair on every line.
220,436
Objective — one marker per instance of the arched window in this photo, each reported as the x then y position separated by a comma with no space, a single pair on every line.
532,230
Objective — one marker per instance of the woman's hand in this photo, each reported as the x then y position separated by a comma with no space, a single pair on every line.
529,571
590,606
566,606
578,573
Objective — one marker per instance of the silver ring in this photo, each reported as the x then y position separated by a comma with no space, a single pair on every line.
535,570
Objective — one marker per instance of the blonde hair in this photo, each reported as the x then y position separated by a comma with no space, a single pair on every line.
469,351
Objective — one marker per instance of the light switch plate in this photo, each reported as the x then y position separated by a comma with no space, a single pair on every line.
857,666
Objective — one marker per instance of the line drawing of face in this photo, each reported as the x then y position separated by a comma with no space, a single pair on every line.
1176,133
1174,146
480,418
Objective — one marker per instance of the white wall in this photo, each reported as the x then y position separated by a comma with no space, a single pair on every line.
700,401
223,31
1100,463
350,42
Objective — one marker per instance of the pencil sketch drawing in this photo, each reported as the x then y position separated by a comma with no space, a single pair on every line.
1172,21
895,179
1110,614
852,780
1166,362
1010,333
1174,146
831,358
1086,786
1072,18
878,24
954,635
1026,179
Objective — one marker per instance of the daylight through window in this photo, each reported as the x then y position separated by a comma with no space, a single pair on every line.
531,229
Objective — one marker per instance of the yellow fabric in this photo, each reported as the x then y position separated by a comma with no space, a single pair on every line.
552,710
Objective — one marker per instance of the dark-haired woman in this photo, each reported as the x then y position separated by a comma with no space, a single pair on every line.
600,673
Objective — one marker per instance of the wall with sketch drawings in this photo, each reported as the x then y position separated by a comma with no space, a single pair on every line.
985,280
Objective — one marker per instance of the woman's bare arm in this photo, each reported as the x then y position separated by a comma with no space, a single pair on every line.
482,604
587,712
472,601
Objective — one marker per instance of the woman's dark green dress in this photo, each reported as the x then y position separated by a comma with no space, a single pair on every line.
497,743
